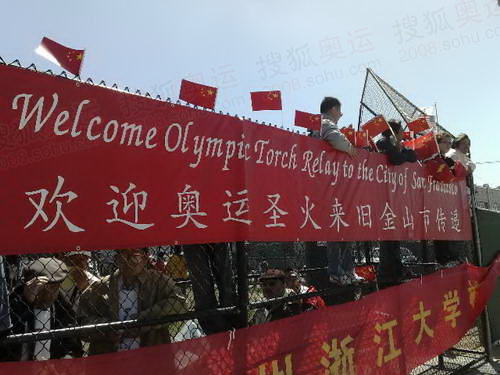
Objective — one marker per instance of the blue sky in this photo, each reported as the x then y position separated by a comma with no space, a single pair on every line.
432,51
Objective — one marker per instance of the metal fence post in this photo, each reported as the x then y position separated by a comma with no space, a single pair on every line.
242,272
485,322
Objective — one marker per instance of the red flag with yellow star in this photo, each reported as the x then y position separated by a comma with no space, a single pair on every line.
439,170
419,125
424,146
375,126
361,139
266,100
349,133
67,58
197,94
366,272
307,120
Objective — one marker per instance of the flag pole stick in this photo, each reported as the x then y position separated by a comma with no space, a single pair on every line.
436,110
81,65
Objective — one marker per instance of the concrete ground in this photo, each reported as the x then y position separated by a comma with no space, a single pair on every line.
469,350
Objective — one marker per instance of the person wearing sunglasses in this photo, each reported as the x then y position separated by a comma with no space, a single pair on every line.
273,285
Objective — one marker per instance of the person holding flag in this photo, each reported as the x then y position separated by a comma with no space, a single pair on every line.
447,253
390,263
330,115
339,254
391,144
460,150
443,168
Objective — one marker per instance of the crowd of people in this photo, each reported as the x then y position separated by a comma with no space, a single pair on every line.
454,153
61,291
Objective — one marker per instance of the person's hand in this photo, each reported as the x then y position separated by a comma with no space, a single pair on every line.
79,277
33,287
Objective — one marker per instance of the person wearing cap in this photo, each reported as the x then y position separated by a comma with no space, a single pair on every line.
133,291
295,282
37,305
273,284
79,277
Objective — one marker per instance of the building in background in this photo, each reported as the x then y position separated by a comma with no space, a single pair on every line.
487,197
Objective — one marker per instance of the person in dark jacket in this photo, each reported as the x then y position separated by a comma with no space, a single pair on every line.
37,305
390,268
391,145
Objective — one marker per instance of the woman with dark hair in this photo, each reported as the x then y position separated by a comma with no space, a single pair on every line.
391,145
390,265
460,150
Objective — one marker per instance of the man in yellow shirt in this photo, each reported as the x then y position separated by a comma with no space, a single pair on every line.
176,266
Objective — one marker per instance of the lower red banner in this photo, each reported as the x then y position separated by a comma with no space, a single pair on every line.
388,332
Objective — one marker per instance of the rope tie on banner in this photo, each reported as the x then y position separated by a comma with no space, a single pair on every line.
421,279
232,335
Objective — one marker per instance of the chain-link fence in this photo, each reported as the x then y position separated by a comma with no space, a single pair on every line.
83,303
380,98
80,303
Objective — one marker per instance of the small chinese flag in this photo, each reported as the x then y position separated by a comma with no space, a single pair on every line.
307,120
375,126
419,125
67,58
349,133
439,170
361,139
366,272
424,146
265,100
459,171
197,94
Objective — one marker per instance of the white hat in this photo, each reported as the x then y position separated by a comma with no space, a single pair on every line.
79,252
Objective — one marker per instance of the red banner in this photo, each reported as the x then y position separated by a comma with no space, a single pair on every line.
388,332
87,166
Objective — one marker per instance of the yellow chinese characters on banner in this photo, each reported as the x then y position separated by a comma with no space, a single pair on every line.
274,367
421,316
450,307
472,291
377,339
338,360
